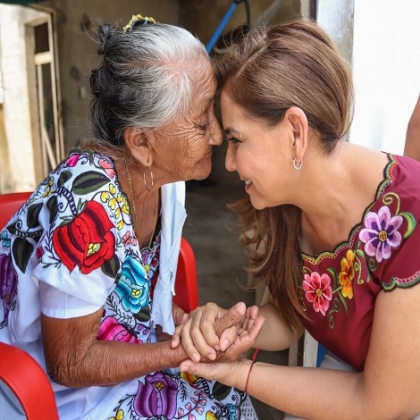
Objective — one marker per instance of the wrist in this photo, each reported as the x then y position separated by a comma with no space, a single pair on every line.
242,374
248,377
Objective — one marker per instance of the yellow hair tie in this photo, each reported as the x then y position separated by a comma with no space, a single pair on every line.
137,20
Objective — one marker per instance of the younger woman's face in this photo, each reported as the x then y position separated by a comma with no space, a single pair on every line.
259,154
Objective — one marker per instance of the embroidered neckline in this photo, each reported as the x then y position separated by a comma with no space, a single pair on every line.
387,180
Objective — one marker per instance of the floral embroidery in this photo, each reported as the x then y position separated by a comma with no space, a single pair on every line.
133,286
156,396
381,233
188,377
372,242
72,160
108,167
111,329
118,416
118,204
318,291
346,275
5,240
129,239
8,285
86,241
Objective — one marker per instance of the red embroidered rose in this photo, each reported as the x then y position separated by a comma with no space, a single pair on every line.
87,241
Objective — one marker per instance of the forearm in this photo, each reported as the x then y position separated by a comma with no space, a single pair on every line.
112,362
275,334
310,393
412,144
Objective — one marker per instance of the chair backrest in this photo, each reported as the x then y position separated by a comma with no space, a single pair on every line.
27,380
9,205
186,287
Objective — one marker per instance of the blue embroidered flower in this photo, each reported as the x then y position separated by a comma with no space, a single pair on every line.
5,240
133,286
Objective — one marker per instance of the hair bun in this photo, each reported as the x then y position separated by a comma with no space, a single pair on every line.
105,33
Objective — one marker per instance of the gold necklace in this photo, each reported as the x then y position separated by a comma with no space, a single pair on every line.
133,204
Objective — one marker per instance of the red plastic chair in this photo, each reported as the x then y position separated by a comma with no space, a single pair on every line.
186,288
27,380
20,371
9,204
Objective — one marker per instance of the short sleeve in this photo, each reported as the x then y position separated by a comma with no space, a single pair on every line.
80,252
391,233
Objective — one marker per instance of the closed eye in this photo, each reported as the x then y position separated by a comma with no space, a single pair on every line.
232,140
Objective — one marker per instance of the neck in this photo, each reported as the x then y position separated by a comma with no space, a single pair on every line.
144,204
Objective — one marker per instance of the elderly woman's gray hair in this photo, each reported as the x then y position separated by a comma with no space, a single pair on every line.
144,80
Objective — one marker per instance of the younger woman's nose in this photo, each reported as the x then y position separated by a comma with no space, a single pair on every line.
230,162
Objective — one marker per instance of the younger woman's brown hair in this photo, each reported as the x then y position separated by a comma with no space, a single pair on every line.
267,72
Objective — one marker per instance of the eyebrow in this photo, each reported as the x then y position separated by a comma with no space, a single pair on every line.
230,130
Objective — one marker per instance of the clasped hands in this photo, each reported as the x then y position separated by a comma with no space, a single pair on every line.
214,334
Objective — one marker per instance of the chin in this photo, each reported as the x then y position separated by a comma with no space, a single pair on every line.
201,173
257,204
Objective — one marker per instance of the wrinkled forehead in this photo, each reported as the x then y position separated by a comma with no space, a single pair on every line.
204,85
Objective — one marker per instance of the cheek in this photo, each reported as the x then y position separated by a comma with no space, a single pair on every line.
196,163
198,145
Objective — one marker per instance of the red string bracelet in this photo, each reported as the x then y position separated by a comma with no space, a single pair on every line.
253,358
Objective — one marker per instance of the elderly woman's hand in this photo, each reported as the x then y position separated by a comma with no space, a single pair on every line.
180,317
212,329
234,369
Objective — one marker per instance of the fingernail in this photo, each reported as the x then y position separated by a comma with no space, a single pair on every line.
212,356
241,307
195,357
225,344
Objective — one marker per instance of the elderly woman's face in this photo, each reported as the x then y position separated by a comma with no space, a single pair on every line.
186,143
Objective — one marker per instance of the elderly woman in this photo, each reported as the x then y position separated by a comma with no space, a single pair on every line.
340,227
88,263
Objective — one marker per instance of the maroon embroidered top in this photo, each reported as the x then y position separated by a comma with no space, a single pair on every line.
382,253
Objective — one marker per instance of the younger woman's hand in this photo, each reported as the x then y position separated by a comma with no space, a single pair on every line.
211,330
230,368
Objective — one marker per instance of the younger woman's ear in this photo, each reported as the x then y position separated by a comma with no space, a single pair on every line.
138,145
298,123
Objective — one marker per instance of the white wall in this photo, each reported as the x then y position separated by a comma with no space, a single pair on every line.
381,38
19,103
386,70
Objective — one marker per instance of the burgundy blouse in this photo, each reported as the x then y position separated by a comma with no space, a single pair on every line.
382,253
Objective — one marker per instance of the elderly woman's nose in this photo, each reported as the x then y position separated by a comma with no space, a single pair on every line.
216,135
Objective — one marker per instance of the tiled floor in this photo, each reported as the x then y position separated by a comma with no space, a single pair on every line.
220,260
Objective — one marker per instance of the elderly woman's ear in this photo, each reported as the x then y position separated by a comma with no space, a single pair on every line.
138,145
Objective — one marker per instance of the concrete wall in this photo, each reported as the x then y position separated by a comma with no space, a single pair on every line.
202,17
77,52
